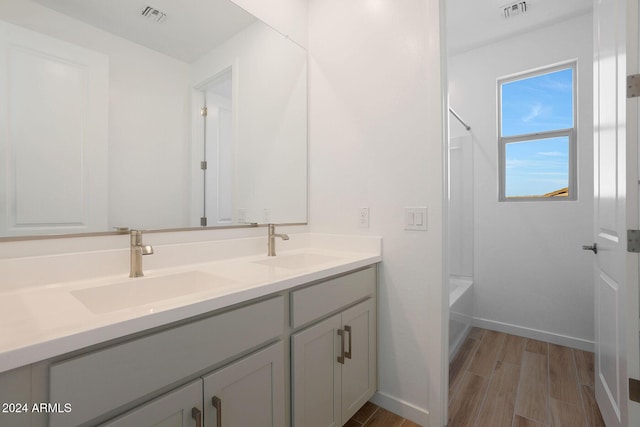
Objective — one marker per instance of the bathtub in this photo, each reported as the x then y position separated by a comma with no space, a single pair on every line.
460,311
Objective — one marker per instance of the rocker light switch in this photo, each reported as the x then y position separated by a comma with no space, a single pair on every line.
418,218
415,219
409,218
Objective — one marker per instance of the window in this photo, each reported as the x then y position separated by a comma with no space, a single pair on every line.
536,133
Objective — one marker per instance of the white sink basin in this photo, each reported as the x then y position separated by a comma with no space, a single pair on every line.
297,261
145,290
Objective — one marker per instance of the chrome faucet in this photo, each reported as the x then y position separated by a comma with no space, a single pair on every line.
137,250
272,240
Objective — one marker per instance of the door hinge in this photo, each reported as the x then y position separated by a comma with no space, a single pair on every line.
203,111
633,241
203,221
634,390
633,86
203,165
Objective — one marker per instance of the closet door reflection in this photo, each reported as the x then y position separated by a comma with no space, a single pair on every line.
53,128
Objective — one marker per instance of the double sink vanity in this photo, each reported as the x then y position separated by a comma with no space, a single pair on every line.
237,338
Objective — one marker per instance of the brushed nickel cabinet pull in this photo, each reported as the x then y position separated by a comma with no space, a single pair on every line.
217,403
347,354
196,414
341,357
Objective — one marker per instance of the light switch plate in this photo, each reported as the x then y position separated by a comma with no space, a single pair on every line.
415,219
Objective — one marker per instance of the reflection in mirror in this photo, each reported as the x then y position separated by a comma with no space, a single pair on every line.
113,119
217,129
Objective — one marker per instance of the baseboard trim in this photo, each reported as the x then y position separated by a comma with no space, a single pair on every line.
404,409
535,334
454,350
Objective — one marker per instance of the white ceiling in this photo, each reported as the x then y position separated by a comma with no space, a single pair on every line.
194,27
473,23
191,28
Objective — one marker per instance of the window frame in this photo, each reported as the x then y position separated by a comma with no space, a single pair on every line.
570,133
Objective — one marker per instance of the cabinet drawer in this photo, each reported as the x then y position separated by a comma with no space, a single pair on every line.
318,300
104,380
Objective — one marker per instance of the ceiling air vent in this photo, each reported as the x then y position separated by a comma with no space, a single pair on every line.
514,9
153,15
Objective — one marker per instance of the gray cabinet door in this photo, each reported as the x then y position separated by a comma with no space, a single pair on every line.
316,375
327,392
249,392
359,370
178,408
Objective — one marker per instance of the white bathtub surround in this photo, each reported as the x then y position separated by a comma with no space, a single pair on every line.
460,201
64,312
460,311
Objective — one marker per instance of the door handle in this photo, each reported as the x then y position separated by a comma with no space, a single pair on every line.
341,357
593,248
196,414
347,354
216,402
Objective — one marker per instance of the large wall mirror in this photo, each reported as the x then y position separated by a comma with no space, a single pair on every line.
151,114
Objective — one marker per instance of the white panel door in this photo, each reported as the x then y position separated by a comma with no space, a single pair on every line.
616,272
53,135
213,142
632,301
219,156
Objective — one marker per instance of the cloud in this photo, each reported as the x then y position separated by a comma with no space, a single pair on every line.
563,86
534,111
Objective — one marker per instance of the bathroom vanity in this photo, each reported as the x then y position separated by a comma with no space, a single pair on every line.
285,340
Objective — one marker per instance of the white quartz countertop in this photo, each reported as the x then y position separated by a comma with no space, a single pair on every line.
41,322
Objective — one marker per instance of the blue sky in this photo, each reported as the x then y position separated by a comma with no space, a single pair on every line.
537,104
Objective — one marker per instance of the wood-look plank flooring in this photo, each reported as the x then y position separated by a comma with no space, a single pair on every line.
501,380
371,415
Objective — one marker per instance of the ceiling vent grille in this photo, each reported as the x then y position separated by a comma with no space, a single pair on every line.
153,15
514,9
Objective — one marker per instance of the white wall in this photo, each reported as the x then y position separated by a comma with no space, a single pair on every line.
375,141
530,275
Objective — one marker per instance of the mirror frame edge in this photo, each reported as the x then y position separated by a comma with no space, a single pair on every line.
158,230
